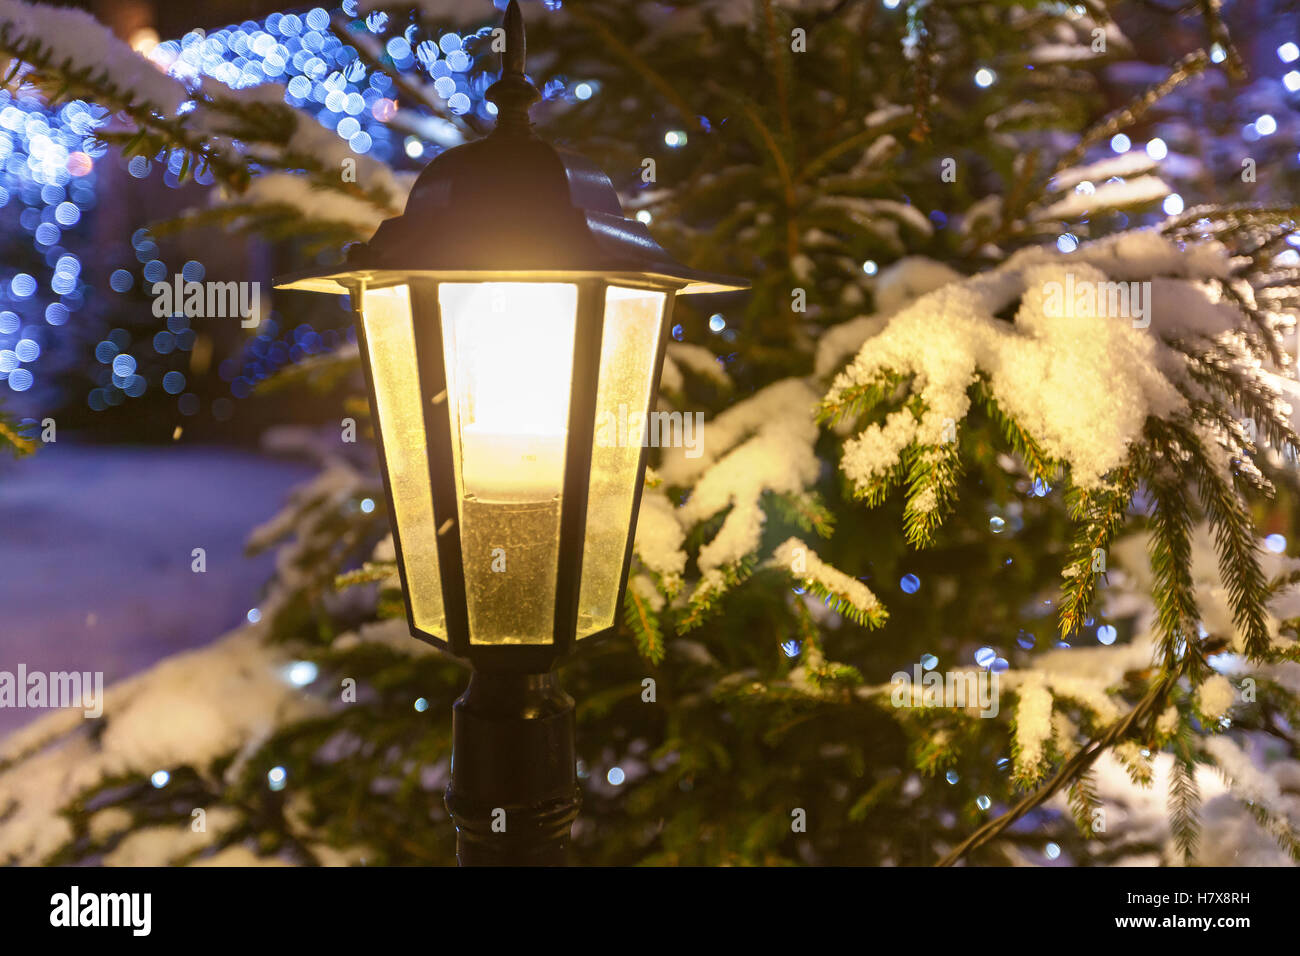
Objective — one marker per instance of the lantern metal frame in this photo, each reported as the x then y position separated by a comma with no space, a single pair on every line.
588,340
539,214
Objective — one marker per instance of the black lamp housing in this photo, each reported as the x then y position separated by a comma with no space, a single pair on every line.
530,213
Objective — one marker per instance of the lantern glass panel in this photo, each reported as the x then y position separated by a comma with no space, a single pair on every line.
390,341
508,349
628,352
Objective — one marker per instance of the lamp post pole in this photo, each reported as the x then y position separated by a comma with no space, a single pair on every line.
514,790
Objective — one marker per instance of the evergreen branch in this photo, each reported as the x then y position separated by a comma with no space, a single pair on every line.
1079,763
1186,69
933,476
708,593
807,512
644,624
843,605
1217,31
639,64
1184,796
1216,370
1099,516
12,438
1083,800
1170,549
369,572
1036,461
1234,535
852,401
780,69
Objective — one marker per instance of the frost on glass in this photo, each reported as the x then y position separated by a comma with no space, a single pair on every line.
390,340
508,349
629,347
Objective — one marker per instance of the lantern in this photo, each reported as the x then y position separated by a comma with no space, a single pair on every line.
507,320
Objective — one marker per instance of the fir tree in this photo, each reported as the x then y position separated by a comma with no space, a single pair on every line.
911,456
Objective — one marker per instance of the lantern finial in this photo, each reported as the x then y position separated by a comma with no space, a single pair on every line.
513,94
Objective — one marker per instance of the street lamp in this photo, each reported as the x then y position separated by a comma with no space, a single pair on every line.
490,357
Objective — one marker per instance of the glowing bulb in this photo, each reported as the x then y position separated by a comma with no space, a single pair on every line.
509,384
985,77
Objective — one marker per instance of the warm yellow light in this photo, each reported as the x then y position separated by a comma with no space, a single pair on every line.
390,340
143,40
629,347
508,348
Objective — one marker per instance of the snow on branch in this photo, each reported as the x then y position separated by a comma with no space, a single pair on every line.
843,594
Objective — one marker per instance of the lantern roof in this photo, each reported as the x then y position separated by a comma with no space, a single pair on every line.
510,203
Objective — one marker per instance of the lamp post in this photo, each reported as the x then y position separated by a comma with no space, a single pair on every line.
490,357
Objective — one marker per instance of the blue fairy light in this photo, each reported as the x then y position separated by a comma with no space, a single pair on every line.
22,286
910,583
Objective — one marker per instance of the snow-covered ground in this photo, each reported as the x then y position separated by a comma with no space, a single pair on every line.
95,553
